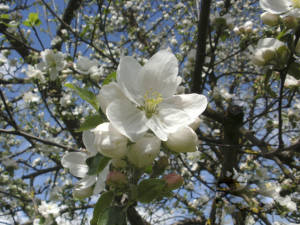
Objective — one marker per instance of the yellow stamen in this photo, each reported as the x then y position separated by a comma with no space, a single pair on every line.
151,102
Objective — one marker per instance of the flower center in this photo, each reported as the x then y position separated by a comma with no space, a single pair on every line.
296,3
151,101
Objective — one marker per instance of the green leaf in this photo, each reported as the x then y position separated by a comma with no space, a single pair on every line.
112,216
90,123
85,95
102,204
33,20
150,189
109,78
97,163
294,70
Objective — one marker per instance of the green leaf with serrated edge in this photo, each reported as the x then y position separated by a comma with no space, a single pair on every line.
85,95
112,216
102,204
90,122
96,163
150,189
109,78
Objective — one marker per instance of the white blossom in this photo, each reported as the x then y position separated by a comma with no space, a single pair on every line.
48,209
143,98
52,62
285,7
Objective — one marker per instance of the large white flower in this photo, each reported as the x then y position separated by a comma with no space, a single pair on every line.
144,98
286,7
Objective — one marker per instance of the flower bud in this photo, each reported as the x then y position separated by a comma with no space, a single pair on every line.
270,19
116,179
119,163
183,140
290,22
173,181
143,152
109,142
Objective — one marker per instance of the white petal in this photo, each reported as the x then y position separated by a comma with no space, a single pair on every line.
160,74
109,93
86,182
88,141
192,104
101,178
127,119
75,162
275,6
128,77
168,120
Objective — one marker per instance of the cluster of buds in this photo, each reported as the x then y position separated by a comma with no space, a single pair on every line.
245,29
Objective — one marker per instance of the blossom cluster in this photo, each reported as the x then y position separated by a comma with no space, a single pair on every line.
145,114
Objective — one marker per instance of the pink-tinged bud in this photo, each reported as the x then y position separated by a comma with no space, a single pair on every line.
173,181
290,22
116,179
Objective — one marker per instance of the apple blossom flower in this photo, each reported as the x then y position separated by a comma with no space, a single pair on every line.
143,152
88,67
144,98
285,7
52,62
48,209
183,140
34,72
268,51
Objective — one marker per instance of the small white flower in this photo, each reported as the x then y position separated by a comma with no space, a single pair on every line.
144,151
291,81
144,98
86,66
34,72
30,97
48,209
4,7
52,62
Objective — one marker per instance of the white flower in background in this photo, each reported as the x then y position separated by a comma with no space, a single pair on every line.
89,184
144,98
291,81
144,151
107,140
86,66
52,62
4,7
268,49
34,72
286,7
48,209
30,97
183,140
